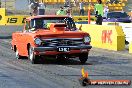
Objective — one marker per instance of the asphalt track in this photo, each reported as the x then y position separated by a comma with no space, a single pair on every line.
102,64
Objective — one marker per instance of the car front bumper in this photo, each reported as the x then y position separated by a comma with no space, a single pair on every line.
42,49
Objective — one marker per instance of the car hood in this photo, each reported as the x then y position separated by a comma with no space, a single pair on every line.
65,34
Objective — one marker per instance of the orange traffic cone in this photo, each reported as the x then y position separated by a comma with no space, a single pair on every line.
84,80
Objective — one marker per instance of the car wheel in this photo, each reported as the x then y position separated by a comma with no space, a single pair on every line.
33,58
83,57
17,55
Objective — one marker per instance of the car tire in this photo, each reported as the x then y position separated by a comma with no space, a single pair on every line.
17,55
32,57
83,57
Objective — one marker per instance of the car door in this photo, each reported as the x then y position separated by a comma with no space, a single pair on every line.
22,40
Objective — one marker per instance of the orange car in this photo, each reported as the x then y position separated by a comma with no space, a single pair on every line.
51,35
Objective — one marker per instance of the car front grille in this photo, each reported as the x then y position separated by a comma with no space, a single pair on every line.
62,42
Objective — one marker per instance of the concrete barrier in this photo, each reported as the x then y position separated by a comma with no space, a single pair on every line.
106,37
15,20
11,20
130,47
2,16
83,18
19,19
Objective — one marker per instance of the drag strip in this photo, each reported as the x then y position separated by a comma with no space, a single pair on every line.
102,64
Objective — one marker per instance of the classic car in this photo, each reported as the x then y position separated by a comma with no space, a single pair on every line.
50,35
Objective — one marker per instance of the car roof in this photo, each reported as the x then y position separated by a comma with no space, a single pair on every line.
44,16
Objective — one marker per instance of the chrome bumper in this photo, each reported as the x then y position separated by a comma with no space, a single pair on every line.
42,49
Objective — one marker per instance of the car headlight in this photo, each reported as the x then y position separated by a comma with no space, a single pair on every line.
37,41
87,39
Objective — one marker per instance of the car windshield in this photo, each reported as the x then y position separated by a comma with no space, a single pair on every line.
44,23
117,15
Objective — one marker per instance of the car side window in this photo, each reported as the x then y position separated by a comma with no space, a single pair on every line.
38,23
